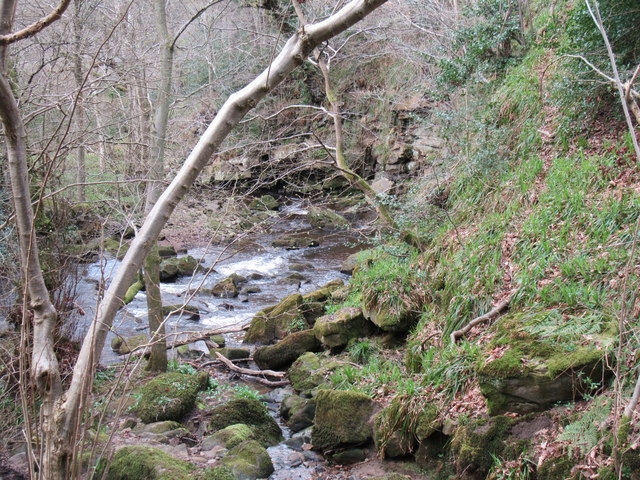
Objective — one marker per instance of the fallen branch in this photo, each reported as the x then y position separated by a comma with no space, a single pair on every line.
248,371
502,306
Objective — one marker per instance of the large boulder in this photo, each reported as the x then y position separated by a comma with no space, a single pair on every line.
313,302
326,219
248,461
342,419
286,351
148,463
169,396
337,329
276,321
250,412
308,372
523,371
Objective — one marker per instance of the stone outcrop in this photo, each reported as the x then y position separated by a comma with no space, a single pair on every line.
337,329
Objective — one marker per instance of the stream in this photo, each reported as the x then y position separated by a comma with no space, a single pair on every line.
267,269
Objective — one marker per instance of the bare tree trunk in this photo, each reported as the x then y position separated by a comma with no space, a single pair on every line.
81,153
158,356
44,364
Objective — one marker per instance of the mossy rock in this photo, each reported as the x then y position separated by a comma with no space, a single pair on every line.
171,268
226,288
248,461
247,411
234,353
307,372
556,468
286,351
265,202
342,419
190,312
338,329
300,267
228,437
535,372
295,243
327,219
276,321
216,473
298,412
293,279
399,319
218,340
169,396
166,251
116,248
390,476
124,345
313,302
160,427
145,463
476,444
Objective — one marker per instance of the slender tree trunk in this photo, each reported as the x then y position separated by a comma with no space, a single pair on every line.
158,356
81,164
44,364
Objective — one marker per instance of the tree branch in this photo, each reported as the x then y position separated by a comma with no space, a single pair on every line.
36,27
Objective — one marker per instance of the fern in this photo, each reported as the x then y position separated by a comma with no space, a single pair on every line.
585,432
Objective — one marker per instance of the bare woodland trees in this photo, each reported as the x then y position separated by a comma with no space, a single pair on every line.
62,412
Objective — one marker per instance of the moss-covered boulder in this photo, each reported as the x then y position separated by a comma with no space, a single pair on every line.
248,461
226,288
166,251
218,472
532,371
145,463
298,412
265,202
286,351
403,425
350,264
327,219
295,243
390,318
169,396
313,303
337,329
133,290
556,467
116,247
342,419
476,444
124,345
171,268
250,412
276,321
228,437
307,372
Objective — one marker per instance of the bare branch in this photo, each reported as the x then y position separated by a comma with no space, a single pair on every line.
35,28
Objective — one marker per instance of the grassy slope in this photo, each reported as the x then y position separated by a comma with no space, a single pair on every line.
538,211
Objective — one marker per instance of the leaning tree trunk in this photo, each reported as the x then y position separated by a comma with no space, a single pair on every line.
72,405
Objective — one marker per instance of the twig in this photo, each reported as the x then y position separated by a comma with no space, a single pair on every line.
501,307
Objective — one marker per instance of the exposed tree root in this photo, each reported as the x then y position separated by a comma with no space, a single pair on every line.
499,309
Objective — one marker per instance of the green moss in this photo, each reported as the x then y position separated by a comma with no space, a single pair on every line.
555,468
228,437
341,419
217,473
566,361
286,351
250,412
275,321
132,291
474,445
122,345
248,460
306,373
138,462
169,396
115,247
